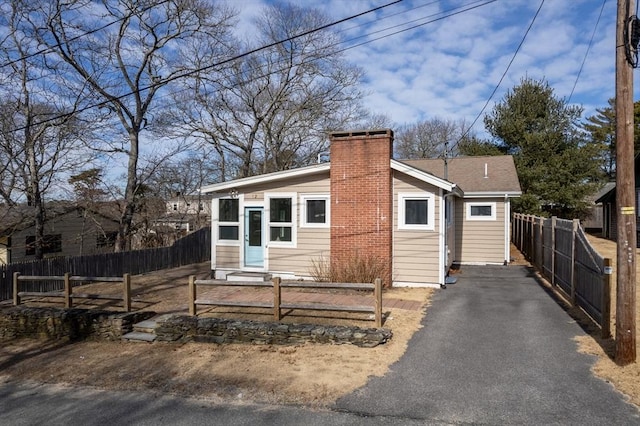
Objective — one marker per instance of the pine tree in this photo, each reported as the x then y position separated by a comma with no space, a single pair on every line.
558,166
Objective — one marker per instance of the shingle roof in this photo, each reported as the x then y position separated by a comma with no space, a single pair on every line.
469,172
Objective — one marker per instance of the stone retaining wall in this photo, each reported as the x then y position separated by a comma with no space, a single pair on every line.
59,323
218,330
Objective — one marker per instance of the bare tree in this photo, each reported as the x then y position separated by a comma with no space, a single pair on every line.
39,131
128,64
271,110
428,138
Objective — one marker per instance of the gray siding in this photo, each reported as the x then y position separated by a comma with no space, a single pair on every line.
79,236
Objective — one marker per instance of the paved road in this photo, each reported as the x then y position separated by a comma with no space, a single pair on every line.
495,350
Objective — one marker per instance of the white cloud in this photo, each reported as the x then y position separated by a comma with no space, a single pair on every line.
448,68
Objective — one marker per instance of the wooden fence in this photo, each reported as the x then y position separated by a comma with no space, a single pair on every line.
560,250
193,248
277,304
67,293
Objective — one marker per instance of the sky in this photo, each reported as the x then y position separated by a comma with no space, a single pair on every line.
449,68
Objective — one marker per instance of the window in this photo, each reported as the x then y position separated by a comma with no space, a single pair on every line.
175,207
314,211
281,217
106,239
228,218
416,211
481,211
52,243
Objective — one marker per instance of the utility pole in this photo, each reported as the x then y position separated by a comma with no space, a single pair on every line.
625,190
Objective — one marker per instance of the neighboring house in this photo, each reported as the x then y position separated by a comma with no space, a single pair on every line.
69,231
404,213
609,213
186,213
189,205
595,218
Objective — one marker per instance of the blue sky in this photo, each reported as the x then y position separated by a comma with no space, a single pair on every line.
449,68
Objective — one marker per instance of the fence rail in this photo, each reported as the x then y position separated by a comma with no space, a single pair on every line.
277,305
67,293
560,250
193,248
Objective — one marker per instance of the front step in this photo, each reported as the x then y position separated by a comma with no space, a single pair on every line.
144,331
137,336
248,276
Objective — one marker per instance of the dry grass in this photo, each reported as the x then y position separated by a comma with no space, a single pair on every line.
302,374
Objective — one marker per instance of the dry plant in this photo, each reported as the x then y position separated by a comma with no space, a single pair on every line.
357,268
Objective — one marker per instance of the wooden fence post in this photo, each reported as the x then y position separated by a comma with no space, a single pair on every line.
16,296
277,295
377,291
574,234
606,299
541,244
67,291
126,282
192,295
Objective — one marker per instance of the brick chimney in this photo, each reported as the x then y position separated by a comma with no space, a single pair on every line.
361,196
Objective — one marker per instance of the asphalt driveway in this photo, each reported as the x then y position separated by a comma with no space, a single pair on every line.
495,349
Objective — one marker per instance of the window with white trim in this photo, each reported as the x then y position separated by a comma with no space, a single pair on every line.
228,219
281,218
481,211
416,211
314,211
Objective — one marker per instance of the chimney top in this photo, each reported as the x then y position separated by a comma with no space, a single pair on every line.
361,133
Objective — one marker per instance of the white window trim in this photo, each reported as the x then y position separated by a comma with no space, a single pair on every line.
217,223
470,204
303,210
431,207
294,213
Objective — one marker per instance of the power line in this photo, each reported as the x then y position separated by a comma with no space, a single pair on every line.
587,52
226,61
452,12
465,134
76,37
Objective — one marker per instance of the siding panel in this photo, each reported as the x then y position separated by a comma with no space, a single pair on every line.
416,253
480,241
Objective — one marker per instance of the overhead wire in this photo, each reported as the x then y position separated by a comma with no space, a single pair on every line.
475,4
77,37
584,60
504,74
204,68
449,13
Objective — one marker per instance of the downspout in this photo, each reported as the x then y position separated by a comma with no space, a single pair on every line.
507,229
445,246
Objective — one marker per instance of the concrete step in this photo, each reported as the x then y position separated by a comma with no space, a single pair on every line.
146,326
248,276
137,336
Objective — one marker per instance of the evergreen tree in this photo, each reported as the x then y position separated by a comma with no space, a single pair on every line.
558,166
602,127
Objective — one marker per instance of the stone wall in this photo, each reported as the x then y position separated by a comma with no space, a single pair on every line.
219,330
59,323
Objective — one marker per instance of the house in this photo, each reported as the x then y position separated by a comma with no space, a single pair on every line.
183,214
595,219
69,231
609,212
418,217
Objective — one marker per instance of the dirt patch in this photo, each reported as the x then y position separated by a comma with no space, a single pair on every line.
303,374
625,379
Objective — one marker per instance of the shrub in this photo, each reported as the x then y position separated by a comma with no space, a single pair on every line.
357,268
